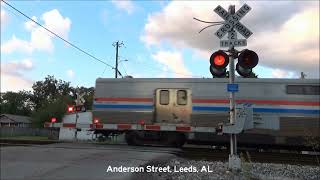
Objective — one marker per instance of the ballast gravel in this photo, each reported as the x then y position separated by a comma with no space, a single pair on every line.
220,170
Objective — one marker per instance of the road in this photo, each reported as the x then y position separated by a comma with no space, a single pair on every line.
75,161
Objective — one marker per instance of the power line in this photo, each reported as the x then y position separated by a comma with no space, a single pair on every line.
66,41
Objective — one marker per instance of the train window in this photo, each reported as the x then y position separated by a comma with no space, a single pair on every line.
182,97
164,97
303,89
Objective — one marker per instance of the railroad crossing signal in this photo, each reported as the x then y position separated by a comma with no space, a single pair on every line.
76,108
246,61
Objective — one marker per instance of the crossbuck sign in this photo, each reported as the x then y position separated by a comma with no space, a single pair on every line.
232,22
80,100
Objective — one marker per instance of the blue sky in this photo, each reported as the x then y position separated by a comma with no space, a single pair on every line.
160,40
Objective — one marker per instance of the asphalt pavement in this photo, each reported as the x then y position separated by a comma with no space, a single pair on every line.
75,161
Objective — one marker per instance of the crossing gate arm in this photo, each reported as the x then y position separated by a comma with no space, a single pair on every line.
130,127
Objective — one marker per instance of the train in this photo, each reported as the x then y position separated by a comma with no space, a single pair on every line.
173,111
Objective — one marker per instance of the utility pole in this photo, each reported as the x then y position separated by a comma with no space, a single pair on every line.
117,45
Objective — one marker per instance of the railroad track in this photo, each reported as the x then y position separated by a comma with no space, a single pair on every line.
192,153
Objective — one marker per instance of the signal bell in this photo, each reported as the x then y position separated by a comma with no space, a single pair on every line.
219,61
246,61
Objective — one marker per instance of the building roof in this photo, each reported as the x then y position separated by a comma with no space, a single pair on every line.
11,118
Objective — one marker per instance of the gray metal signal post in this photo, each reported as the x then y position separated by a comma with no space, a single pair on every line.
232,19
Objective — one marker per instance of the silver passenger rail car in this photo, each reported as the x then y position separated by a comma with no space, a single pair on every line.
172,111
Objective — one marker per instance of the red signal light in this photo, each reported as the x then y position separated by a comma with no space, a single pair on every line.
70,109
53,120
246,61
78,108
96,121
219,60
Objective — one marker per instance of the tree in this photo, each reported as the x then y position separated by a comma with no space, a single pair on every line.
50,98
19,103
47,91
56,108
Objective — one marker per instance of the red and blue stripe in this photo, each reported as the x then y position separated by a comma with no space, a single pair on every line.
219,105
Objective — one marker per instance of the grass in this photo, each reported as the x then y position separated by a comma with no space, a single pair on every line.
25,137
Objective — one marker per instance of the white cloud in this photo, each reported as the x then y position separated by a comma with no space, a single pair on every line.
54,21
40,39
278,73
173,61
289,42
295,47
27,63
15,67
70,73
30,25
126,5
12,76
14,83
15,44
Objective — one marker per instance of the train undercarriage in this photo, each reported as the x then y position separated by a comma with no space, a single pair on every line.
139,138
179,139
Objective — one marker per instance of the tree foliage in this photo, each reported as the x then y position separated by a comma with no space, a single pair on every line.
48,99
55,108
19,103
47,91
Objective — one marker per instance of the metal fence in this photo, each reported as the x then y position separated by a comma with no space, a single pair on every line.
20,131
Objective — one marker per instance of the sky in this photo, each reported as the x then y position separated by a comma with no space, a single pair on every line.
160,38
